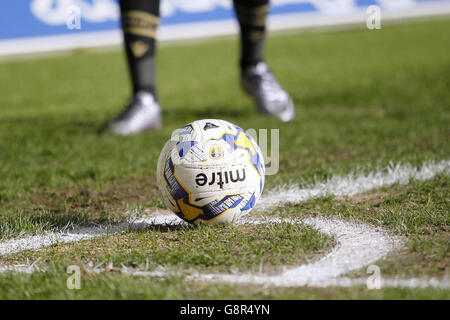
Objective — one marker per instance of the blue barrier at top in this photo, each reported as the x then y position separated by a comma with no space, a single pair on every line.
22,19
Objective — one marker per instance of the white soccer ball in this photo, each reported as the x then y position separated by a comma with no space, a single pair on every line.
210,171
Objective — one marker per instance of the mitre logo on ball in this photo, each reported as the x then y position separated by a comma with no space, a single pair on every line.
225,177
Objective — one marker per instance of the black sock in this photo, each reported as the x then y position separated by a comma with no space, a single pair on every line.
251,15
140,20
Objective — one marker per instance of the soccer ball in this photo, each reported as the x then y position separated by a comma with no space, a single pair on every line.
210,171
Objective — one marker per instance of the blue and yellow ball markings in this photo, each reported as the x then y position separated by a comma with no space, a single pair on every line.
250,204
184,146
215,209
180,194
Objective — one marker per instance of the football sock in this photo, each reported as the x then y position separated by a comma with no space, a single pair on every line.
140,19
251,15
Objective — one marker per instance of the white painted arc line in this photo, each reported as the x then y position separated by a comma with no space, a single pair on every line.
353,184
21,268
78,234
412,283
358,246
37,242
343,258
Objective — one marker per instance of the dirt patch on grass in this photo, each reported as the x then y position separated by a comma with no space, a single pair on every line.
89,205
374,199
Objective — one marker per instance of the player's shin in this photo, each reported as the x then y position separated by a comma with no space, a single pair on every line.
251,15
140,19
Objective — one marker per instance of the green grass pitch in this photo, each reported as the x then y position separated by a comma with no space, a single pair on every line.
364,99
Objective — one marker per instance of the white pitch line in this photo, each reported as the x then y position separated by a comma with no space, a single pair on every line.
22,268
412,283
358,245
354,184
46,240
78,234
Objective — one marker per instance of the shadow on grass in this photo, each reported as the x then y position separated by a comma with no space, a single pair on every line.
160,227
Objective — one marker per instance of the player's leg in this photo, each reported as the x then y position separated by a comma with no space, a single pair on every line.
140,19
257,79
